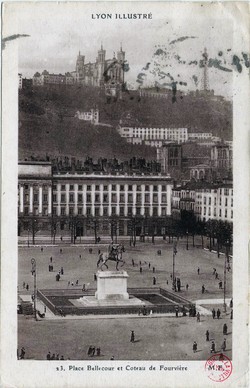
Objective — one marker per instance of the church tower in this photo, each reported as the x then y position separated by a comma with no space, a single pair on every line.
121,59
79,67
101,65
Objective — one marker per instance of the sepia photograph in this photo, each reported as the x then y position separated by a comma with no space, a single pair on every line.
124,183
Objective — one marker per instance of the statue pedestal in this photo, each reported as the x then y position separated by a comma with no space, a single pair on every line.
112,285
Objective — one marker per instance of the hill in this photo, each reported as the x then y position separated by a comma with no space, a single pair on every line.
47,123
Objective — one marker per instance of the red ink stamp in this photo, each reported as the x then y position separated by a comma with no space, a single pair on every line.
218,367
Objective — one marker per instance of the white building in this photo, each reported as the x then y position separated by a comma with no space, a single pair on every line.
199,136
20,81
153,136
92,116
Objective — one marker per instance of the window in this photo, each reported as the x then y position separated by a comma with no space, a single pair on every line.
214,201
204,212
63,211
45,197
62,197
155,188
35,197
209,200
130,188
129,211
232,202
71,211
121,211
26,187
113,211
71,187
105,198
164,198
155,198
79,211
45,211
214,212
122,197
105,211
225,201
54,198
147,188
155,212
163,187
122,187
138,187
79,197
130,198
146,211
220,213
26,211
163,211
114,199
113,187
63,187
209,211
138,198
26,197
97,197
88,187
105,187
220,201
231,213
88,198
147,198
226,213
88,211
205,200
36,211
138,211
54,211
97,187
97,211
71,198
79,187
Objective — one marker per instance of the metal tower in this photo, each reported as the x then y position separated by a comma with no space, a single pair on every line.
205,81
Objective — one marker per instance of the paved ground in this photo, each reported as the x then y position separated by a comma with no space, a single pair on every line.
158,337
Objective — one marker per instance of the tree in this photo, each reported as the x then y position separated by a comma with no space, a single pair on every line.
54,225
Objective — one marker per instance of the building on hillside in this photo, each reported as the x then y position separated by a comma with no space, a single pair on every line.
92,116
20,81
207,201
199,135
87,197
221,160
101,72
170,157
154,137
45,78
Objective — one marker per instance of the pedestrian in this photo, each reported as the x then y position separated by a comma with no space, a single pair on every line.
218,314
132,338
231,302
27,287
61,250
153,269
57,356
62,358
93,352
198,317
220,285
231,314
51,259
61,238
140,269
149,265
48,356
83,287
176,311
62,270
203,289
80,256
77,282
133,262
224,345
53,356
99,251
187,287
41,249
214,271
212,347
72,284
98,351
22,353
44,309
216,275
207,335
198,271
90,350
140,262
154,281
195,347
112,358
68,283
225,329
213,313
95,277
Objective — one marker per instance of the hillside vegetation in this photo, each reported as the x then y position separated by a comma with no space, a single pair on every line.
47,124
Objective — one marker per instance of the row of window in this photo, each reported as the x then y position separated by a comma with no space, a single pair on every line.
89,211
215,212
113,187
114,197
220,201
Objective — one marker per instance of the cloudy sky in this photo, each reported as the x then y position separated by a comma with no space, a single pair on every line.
163,49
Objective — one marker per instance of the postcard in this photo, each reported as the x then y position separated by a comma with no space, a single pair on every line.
125,207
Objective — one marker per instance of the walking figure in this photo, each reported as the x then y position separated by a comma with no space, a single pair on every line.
195,347
48,356
203,289
132,338
153,269
207,335
225,329
218,314
27,287
198,271
140,269
90,351
22,353
224,345
154,281
93,352
95,277
231,303
187,287
212,347
213,313
216,275
98,351
149,265
231,314
214,271
133,262
176,311
198,317
51,259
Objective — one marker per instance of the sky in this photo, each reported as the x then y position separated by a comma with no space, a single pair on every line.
167,48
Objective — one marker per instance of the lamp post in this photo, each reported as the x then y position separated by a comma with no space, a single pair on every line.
28,237
187,239
33,271
173,274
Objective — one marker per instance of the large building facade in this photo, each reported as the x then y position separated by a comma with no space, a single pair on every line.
44,196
